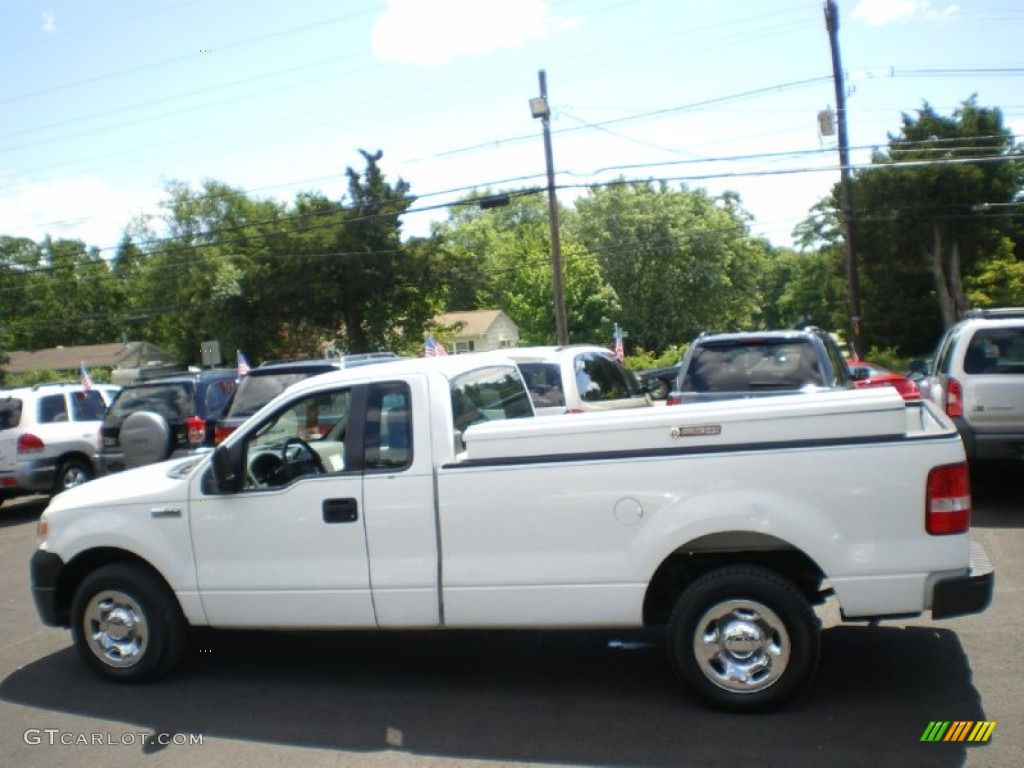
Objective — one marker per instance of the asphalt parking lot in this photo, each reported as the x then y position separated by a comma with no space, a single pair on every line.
493,698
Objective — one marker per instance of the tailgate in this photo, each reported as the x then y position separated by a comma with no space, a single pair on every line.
994,402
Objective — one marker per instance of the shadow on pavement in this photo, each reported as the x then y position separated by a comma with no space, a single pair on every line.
18,511
564,697
997,495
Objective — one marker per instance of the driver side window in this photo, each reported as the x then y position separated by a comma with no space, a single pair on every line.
307,438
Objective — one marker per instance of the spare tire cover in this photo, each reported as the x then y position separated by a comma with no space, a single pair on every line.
145,438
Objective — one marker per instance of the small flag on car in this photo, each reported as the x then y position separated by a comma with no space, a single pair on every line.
243,364
85,378
432,347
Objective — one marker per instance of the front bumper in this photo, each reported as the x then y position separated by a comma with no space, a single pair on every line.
962,595
45,569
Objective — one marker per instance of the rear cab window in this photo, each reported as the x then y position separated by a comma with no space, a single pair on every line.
488,394
544,381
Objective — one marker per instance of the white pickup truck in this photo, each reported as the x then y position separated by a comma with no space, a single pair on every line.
412,496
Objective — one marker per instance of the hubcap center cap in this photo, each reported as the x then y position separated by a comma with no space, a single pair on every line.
742,639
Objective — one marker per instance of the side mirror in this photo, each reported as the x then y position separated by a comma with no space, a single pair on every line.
917,369
859,373
222,466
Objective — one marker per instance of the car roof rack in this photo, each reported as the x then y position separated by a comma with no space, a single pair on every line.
994,313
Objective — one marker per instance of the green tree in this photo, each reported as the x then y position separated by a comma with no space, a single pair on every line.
926,218
680,261
360,287
505,262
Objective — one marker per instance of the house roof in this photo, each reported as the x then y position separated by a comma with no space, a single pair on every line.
122,354
474,323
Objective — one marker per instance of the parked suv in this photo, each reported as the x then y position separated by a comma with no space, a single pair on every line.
977,377
576,378
265,382
724,366
164,417
49,437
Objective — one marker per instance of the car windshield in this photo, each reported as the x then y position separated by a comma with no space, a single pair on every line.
173,401
745,367
254,391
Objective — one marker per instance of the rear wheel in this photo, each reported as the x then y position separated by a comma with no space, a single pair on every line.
126,624
744,638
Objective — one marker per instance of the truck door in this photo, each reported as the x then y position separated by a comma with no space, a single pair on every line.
398,493
288,549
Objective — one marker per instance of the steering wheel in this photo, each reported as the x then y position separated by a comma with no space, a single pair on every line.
312,457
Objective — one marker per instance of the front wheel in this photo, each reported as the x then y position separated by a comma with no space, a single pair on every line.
126,624
744,638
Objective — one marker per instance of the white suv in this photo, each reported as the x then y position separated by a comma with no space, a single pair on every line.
576,378
977,377
49,437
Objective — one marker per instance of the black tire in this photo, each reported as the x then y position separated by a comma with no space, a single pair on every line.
126,624
744,638
71,473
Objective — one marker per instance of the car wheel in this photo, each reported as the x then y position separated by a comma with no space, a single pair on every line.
71,473
126,624
744,638
145,438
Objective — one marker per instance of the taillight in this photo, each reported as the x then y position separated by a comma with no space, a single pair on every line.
196,430
673,400
29,443
948,501
220,434
954,398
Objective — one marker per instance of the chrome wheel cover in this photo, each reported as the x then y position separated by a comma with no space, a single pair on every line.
116,628
74,476
742,646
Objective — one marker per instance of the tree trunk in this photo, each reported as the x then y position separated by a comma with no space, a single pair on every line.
935,260
956,282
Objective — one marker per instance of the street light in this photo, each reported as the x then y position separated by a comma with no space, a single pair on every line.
539,109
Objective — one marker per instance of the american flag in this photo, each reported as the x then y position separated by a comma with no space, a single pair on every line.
620,353
243,364
432,347
85,378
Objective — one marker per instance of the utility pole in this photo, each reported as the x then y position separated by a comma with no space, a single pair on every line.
539,109
845,195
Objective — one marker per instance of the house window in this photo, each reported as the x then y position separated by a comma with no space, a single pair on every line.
462,347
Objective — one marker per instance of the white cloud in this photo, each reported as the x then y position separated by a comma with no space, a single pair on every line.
434,32
83,209
49,22
876,13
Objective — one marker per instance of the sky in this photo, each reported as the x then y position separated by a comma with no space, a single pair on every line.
105,102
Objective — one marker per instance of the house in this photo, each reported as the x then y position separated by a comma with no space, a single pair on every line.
479,331
126,360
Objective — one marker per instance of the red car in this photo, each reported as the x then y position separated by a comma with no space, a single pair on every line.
871,375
